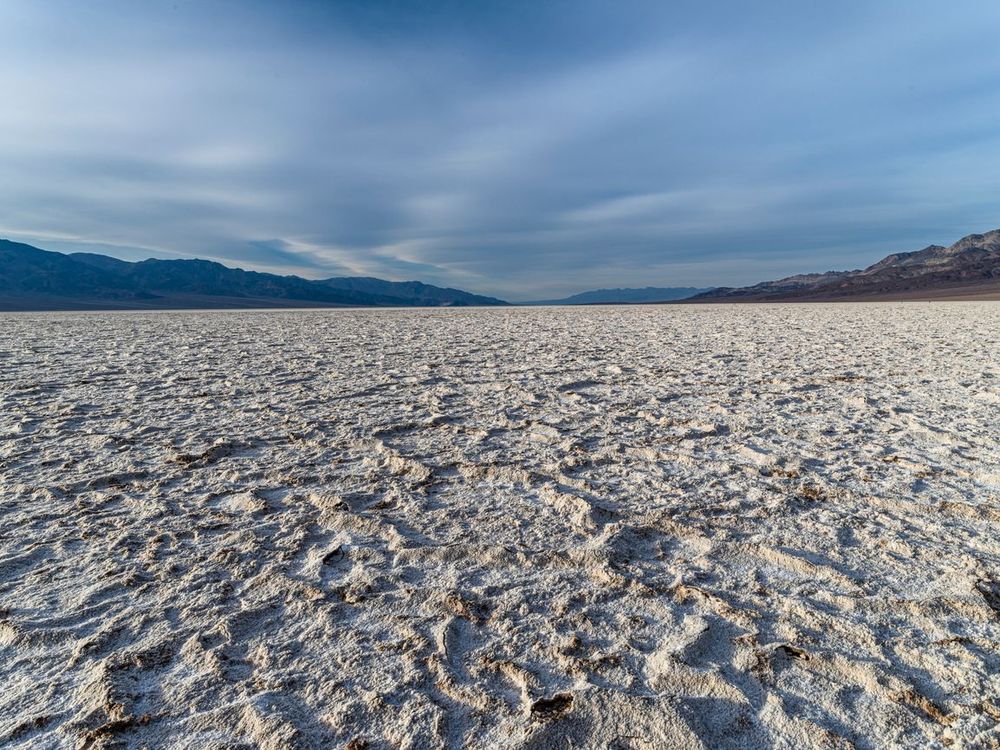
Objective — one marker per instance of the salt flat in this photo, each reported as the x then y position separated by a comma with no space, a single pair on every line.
655,527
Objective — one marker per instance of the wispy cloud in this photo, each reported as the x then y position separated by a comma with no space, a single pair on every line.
522,150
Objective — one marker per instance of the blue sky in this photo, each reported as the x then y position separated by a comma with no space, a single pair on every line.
522,149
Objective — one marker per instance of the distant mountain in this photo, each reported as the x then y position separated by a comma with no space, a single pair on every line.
625,296
420,293
968,269
34,279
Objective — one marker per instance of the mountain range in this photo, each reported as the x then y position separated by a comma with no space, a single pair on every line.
969,269
624,296
34,279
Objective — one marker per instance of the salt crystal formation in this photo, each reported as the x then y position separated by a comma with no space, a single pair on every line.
643,527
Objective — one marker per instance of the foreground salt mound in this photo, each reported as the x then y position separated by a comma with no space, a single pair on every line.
614,528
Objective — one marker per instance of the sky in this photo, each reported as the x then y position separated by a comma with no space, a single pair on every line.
524,149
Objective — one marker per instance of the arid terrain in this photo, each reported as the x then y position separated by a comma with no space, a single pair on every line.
967,270
743,526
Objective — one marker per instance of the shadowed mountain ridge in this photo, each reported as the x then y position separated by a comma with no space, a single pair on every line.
35,279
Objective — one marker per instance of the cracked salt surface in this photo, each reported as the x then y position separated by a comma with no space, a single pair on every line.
634,527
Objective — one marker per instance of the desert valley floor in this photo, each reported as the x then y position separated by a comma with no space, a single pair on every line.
634,527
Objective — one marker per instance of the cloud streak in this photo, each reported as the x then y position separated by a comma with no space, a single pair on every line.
521,150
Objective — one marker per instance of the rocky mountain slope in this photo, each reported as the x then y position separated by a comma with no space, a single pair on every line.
969,268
